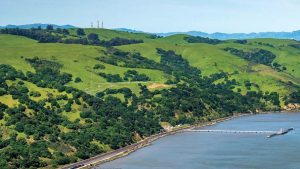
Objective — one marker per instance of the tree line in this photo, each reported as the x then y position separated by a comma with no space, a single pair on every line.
59,35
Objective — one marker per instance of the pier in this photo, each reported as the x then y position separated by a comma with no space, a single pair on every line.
233,131
270,133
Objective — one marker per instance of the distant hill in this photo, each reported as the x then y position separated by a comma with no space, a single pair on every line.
36,25
128,30
225,36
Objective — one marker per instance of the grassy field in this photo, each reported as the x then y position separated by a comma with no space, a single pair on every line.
79,59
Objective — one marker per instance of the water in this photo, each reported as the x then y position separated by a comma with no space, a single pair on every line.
196,150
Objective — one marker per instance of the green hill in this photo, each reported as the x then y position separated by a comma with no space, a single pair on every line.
66,97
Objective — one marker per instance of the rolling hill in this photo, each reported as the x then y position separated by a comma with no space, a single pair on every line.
67,96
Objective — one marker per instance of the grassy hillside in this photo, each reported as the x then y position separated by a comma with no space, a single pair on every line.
78,60
63,101
212,59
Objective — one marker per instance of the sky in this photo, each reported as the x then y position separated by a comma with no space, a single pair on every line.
228,16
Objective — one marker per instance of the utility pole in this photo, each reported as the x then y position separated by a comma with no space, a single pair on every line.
92,25
98,26
102,24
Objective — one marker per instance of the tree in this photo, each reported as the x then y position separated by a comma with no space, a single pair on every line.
78,79
65,32
80,32
49,27
93,37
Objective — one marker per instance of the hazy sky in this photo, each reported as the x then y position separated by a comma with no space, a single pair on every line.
159,15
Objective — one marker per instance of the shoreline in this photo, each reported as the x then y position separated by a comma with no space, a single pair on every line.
122,152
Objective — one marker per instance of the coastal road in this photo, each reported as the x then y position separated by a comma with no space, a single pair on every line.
119,152
89,163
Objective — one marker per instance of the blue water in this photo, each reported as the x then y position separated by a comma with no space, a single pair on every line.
194,150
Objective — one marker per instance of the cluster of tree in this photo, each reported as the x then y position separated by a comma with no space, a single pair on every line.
103,118
133,75
111,77
154,36
41,35
265,44
58,35
255,55
93,39
177,66
199,39
294,97
120,41
296,45
129,75
278,67
80,32
99,66
126,59
241,41
47,73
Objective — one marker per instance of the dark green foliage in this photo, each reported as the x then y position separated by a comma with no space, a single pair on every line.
80,32
296,45
294,97
132,75
62,160
265,44
273,97
78,79
176,65
278,67
198,39
50,35
47,73
256,55
3,107
34,94
125,59
153,36
83,41
241,41
99,66
111,77
248,84
93,37
120,41
86,114
49,27
43,36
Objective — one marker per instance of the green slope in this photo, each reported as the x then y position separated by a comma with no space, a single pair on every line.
78,60
71,125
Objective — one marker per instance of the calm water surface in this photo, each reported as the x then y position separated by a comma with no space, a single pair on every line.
223,150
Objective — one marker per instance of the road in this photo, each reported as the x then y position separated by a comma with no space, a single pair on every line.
88,163
119,152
